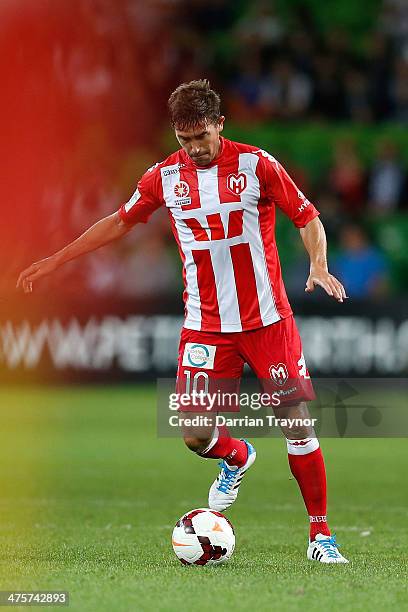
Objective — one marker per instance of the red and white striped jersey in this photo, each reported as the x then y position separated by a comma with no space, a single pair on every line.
223,219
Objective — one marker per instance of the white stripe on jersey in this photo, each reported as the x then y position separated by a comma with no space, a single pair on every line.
252,234
208,189
228,306
170,176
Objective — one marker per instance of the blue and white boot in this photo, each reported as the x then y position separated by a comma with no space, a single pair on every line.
324,549
224,490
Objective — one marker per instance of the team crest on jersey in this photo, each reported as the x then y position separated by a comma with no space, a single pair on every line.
181,189
279,374
237,183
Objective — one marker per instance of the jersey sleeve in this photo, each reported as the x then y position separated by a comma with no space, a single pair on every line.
147,198
279,187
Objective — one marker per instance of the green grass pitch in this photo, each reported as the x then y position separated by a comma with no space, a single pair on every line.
89,496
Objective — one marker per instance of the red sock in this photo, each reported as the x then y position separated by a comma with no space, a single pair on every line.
234,451
307,466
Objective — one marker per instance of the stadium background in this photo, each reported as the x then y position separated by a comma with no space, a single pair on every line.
324,88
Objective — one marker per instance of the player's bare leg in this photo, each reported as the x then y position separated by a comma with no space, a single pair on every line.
237,456
307,466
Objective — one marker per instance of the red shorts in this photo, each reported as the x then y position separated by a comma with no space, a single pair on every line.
274,353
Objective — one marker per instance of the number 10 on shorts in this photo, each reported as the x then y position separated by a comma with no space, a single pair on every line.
199,382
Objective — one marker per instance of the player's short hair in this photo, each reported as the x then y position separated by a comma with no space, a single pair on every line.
193,103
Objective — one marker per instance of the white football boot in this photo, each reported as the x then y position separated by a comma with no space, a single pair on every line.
324,549
224,490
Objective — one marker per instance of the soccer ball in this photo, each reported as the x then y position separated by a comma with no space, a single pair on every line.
203,537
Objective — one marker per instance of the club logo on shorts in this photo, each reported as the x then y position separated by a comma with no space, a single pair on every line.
279,374
181,189
237,183
199,355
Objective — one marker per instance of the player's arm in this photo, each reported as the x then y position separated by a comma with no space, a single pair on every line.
282,191
314,239
146,199
106,230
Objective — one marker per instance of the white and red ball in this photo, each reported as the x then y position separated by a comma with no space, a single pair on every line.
203,537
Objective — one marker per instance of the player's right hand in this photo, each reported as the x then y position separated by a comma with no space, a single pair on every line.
34,272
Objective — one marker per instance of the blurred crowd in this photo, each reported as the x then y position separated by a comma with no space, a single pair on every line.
357,204
281,64
87,84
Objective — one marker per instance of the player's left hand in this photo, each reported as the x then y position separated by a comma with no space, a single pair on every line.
320,276
37,270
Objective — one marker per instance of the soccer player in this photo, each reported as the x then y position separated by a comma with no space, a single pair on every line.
221,198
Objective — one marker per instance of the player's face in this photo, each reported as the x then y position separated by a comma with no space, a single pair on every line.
202,142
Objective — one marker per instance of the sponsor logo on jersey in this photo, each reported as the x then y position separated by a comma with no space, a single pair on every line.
237,183
199,355
181,189
279,374
170,171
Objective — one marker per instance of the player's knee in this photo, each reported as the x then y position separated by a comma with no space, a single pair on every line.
298,433
299,429
296,422
195,444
